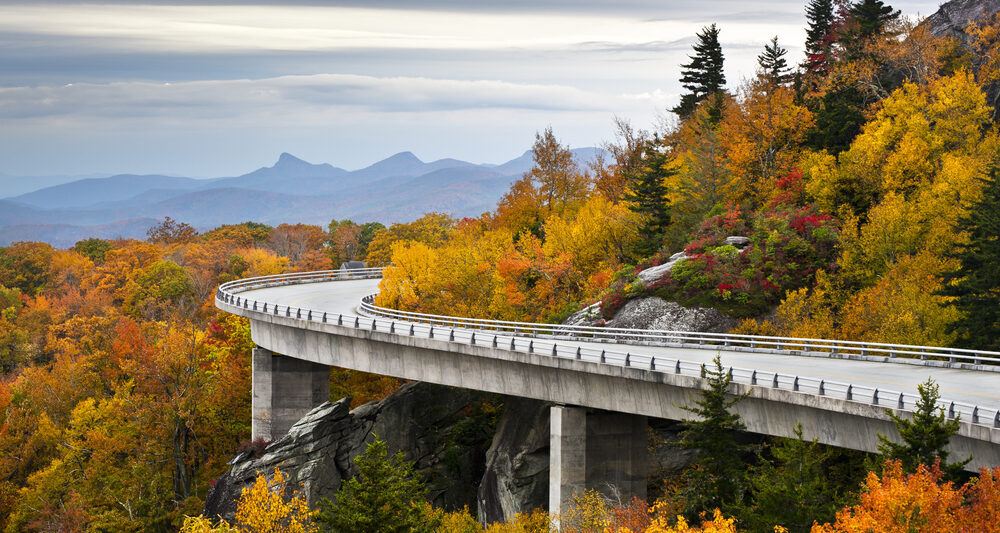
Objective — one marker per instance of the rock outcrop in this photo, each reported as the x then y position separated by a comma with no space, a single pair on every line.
588,316
444,431
517,464
653,274
656,313
952,18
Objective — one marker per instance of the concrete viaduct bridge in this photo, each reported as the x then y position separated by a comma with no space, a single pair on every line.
604,382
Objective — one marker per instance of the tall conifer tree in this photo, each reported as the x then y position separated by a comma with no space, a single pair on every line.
924,436
819,36
975,285
772,63
647,196
703,76
718,478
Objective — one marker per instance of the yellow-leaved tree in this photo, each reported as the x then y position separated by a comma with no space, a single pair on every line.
263,506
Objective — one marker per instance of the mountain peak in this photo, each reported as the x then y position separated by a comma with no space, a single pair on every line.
288,159
403,157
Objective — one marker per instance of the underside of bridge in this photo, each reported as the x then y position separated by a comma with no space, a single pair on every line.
589,449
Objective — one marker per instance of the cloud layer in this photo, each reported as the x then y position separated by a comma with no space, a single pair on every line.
202,87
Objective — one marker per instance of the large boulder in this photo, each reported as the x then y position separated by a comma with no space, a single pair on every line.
656,313
653,274
443,430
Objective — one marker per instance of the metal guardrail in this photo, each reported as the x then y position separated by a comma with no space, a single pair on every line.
521,337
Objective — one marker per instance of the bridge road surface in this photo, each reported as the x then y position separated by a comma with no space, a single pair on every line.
969,386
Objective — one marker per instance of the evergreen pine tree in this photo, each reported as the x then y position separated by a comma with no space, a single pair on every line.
703,76
647,196
870,17
819,36
792,487
718,477
386,496
924,436
772,63
865,20
975,285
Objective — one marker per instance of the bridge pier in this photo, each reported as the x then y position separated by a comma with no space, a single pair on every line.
284,390
596,450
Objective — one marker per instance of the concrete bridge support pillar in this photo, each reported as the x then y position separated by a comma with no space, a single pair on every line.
284,390
599,450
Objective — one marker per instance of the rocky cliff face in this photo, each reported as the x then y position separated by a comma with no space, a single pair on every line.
952,18
517,463
445,431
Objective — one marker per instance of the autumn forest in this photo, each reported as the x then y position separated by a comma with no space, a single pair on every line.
865,180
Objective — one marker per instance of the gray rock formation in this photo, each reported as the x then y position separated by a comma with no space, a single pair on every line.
588,316
517,464
952,18
656,313
443,430
738,241
653,274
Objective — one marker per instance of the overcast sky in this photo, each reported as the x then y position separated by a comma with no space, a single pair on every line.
221,88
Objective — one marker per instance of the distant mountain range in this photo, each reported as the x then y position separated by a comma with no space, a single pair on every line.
397,189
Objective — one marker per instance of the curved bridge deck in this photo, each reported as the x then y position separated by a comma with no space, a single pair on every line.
841,401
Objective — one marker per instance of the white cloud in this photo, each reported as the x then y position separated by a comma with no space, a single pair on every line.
299,96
